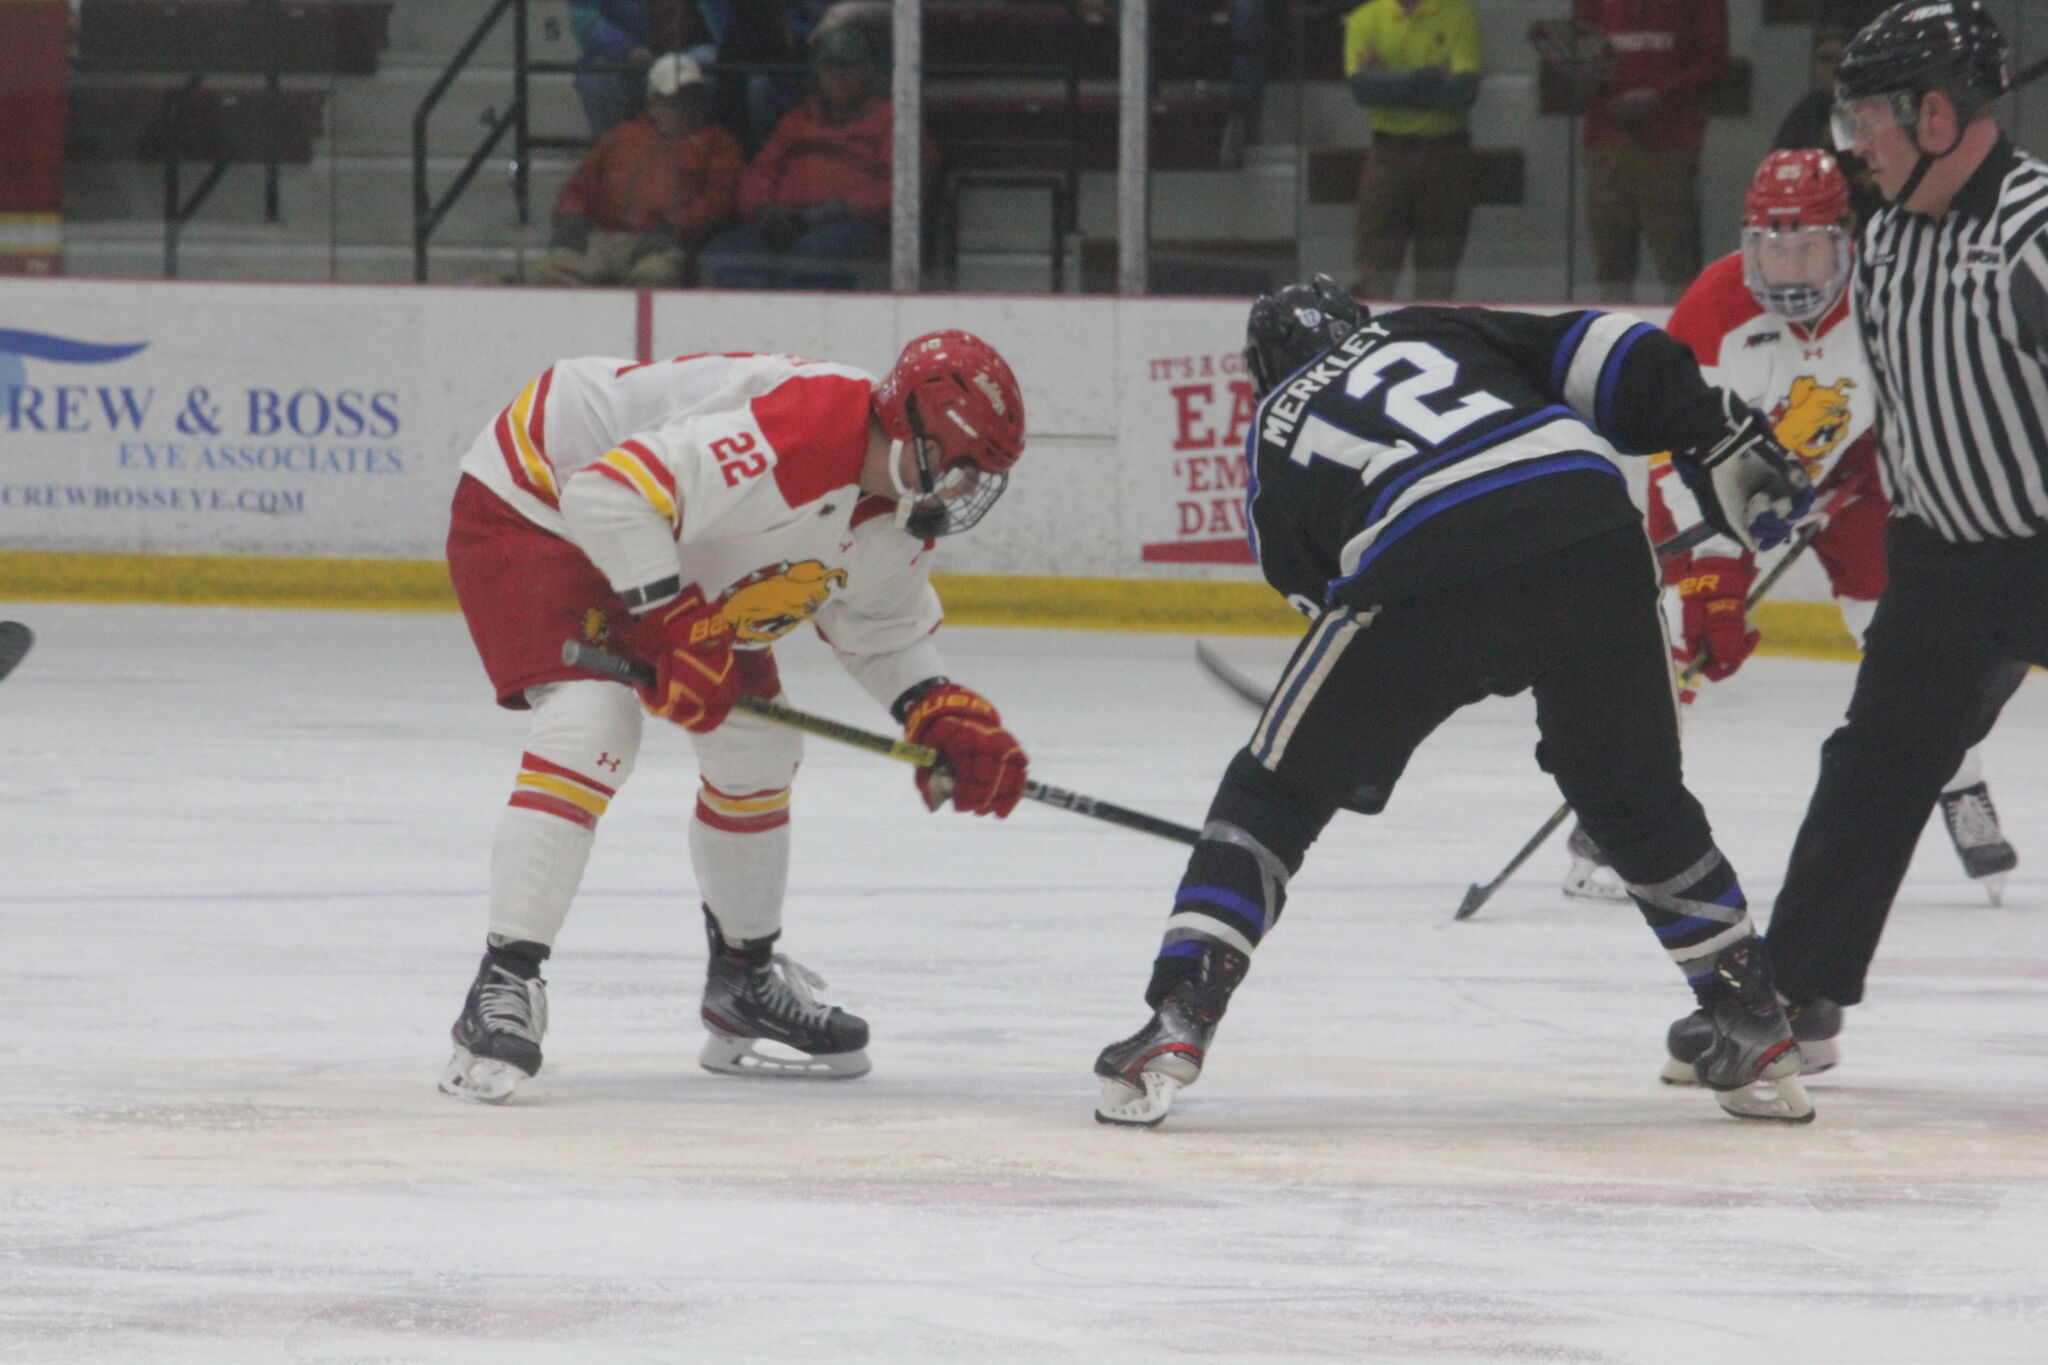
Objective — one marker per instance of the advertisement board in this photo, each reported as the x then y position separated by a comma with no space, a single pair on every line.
260,419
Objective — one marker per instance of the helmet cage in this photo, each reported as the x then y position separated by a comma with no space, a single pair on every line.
951,498
1801,300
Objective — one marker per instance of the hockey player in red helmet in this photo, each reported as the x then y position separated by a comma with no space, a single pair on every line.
954,403
690,513
1798,237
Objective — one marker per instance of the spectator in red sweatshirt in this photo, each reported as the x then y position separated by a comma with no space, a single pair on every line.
816,200
649,191
1645,125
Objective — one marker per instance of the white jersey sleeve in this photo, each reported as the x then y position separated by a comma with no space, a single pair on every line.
881,628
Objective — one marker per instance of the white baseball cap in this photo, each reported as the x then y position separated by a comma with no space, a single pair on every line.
671,72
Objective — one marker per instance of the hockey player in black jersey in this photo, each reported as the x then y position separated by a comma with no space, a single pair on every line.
1437,490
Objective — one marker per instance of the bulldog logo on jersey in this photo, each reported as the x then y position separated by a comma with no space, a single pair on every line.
597,627
769,603
1813,419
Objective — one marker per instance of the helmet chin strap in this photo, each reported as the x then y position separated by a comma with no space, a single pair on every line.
916,511
1925,164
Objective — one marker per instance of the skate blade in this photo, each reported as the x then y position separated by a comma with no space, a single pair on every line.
1994,887
731,1056
1132,1106
480,1080
1780,1099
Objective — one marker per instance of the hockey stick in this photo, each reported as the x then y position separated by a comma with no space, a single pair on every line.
1241,684
1477,895
621,669
15,639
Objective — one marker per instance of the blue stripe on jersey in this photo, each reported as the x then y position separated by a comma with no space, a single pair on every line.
1610,375
1222,898
1251,480
1493,438
1567,350
1465,492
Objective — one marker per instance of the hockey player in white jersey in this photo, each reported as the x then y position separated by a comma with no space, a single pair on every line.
689,513
1773,323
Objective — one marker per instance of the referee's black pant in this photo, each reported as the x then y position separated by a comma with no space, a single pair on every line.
1953,635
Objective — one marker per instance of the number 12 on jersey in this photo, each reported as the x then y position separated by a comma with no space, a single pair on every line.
1404,407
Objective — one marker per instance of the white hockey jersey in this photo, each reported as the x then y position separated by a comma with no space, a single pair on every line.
1814,383
752,464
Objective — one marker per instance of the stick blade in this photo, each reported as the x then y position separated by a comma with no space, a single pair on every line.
1236,683
1475,896
15,640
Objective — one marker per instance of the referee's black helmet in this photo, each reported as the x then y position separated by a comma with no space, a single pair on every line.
1953,46
1289,328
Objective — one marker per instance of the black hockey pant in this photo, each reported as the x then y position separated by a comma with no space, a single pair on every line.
1580,628
1950,643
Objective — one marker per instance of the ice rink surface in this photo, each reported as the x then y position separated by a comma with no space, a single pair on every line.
244,891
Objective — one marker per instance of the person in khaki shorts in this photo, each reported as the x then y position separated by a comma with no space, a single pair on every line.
648,192
1414,65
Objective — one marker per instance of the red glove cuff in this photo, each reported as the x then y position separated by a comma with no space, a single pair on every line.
1717,576
987,763
689,645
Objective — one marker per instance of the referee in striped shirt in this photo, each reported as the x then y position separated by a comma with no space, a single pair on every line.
1952,291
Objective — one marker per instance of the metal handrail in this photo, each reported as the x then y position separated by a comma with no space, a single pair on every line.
178,209
427,213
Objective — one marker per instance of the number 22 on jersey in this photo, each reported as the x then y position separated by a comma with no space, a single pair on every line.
739,457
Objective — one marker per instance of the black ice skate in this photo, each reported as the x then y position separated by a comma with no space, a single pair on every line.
1591,877
1973,827
753,996
1741,1045
1141,1074
1815,1025
497,1037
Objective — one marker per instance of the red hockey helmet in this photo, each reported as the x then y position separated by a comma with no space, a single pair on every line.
1796,243
953,400
1796,189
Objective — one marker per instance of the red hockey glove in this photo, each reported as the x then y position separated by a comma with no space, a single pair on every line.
690,646
1716,619
988,764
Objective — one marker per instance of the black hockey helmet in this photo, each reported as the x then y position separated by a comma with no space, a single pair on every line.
1953,46
1289,328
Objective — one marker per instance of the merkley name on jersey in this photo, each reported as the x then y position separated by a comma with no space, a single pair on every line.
1284,409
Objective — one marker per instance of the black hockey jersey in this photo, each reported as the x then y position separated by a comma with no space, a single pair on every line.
1436,445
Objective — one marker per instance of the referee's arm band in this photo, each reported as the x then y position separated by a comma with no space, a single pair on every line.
652,594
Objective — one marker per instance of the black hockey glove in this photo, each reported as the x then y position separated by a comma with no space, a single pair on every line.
1748,485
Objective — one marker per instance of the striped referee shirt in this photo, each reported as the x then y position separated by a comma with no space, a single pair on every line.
1955,314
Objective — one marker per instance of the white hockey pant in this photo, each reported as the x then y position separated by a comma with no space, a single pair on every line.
581,747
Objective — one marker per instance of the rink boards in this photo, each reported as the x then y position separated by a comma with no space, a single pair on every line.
297,445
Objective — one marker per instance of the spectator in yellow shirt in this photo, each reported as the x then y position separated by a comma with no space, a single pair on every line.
1414,65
